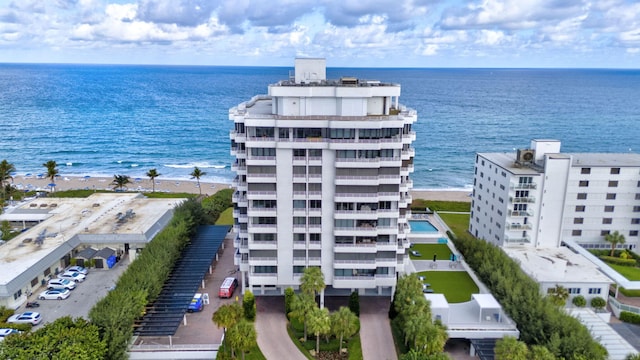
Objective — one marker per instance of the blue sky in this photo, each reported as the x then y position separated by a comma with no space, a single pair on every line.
354,33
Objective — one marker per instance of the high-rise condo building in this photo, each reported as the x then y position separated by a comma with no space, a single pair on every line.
322,180
540,197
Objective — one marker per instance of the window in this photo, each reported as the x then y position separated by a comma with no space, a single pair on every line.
585,171
578,220
637,196
580,208
615,171
583,183
636,209
501,187
315,204
594,291
613,183
298,237
633,233
299,220
34,282
608,208
635,221
611,196
607,220
582,196
314,237
576,232
315,221
265,270
299,204
283,133
17,295
574,291
605,232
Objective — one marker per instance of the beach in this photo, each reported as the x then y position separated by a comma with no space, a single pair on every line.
180,186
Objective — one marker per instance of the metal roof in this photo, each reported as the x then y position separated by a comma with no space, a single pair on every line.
164,315
484,348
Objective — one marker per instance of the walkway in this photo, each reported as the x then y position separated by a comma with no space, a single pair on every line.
375,329
271,325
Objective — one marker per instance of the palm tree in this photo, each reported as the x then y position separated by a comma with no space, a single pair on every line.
510,348
197,174
243,336
153,174
227,316
558,295
312,282
301,306
52,171
319,324
120,181
614,239
344,323
6,168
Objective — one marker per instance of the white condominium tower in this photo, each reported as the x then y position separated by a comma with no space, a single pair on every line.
540,197
322,180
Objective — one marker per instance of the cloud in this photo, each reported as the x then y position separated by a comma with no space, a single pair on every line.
179,12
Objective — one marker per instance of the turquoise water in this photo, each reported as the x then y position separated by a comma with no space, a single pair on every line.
119,119
422,226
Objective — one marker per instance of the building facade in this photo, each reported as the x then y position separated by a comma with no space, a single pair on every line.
539,197
322,180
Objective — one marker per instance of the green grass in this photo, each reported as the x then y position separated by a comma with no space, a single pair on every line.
427,250
296,332
226,217
457,286
630,272
458,223
419,205
253,354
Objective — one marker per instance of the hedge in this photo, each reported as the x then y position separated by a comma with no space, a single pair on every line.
630,317
618,261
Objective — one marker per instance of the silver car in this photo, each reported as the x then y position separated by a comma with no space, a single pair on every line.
61,284
73,276
55,294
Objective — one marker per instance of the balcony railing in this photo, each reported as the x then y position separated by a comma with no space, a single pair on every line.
515,213
522,199
523,186
517,239
518,227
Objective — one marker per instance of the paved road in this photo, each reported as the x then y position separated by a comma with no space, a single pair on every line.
375,329
271,325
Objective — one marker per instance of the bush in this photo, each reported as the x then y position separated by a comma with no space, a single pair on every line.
630,317
5,312
579,301
618,261
598,303
354,303
215,204
288,299
249,305
419,205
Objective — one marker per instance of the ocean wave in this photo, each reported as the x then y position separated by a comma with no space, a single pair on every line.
192,165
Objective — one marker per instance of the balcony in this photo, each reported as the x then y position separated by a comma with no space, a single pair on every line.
356,197
520,186
261,178
263,211
263,279
355,248
350,282
360,180
262,261
515,226
522,200
514,213
261,195
353,263
517,239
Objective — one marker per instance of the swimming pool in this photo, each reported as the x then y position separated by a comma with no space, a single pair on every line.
422,226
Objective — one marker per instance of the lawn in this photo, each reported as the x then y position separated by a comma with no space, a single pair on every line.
457,286
459,223
632,273
427,250
226,217
296,332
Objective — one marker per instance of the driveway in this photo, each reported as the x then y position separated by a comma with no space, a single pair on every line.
271,325
375,329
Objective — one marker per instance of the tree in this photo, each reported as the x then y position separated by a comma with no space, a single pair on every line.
64,338
354,303
558,295
288,299
6,169
249,305
509,348
319,324
632,357
197,174
538,352
614,239
243,336
153,174
301,306
120,181
344,323
5,229
52,170
228,315
579,301
312,282
598,303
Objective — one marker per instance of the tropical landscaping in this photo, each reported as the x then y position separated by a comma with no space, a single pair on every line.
457,286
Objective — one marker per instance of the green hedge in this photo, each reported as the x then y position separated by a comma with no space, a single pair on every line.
630,317
419,205
618,261
142,282
539,321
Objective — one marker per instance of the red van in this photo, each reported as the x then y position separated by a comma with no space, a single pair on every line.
227,288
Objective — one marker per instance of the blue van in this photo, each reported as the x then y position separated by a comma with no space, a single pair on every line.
196,303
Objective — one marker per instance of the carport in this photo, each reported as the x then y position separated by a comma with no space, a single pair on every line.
164,315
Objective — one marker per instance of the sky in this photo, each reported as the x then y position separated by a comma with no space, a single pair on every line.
348,33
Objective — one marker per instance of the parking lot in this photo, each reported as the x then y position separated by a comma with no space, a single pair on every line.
82,298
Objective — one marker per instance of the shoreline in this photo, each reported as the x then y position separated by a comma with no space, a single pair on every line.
62,183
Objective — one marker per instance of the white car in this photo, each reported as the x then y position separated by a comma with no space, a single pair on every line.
56,294
61,284
30,317
6,332
78,269
74,276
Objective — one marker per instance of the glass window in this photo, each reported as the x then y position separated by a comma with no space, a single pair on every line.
582,196
578,220
611,196
633,233
609,208
585,171
576,233
580,208
583,183
607,220
605,232
615,171
613,183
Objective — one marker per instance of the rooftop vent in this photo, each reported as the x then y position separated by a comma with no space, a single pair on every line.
525,157
347,80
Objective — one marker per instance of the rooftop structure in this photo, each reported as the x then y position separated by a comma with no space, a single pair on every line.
322,180
103,219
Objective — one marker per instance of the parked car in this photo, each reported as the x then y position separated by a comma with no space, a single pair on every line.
30,317
55,294
61,284
6,332
415,253
78,269
196,303
70,275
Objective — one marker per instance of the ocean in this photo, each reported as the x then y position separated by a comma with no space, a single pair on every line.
119,119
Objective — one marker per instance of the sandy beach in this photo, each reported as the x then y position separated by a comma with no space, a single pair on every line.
183,186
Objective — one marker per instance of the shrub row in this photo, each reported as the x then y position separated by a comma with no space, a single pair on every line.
630,317
539,322
215,204
143,280
618,261
419,205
